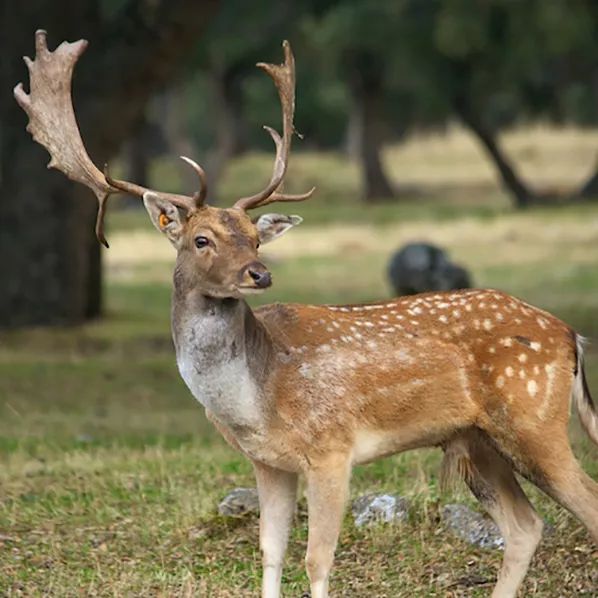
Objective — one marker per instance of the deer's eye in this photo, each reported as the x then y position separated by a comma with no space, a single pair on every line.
201,242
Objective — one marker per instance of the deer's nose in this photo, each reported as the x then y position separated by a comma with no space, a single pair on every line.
260,275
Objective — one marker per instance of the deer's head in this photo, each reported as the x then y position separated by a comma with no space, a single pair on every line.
217,248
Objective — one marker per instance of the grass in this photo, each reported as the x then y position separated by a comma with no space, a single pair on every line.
110,474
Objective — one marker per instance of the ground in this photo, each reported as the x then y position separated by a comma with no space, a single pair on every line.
110,474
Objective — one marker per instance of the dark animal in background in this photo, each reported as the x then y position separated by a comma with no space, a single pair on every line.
420,267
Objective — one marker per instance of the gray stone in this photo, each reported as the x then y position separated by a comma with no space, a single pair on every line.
239,502
472,527
379,508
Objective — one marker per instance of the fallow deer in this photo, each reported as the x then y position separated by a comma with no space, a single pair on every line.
314,389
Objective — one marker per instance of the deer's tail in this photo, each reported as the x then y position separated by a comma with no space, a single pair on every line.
582,399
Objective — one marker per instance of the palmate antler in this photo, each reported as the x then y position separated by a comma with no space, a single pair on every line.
284,79
52,123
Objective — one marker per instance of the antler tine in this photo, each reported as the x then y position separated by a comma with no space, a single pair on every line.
199,197
284,78
285,197
53,125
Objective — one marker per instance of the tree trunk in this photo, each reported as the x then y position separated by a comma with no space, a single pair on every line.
51,259
589,189
175,128
231,130
138,156
521,194
369,128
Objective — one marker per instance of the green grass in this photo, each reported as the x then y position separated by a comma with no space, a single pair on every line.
110,475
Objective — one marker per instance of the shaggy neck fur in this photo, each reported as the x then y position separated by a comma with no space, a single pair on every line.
222,354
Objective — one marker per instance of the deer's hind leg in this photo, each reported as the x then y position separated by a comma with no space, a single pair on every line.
492,481
558,473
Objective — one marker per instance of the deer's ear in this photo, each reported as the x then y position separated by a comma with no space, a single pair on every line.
271,226
165,216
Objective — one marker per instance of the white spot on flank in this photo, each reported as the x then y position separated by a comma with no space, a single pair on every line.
491,350
456,313
443,319
532,388
305,370
336,324
509,371
506,342
500,382
535,346
487,324
522,374
468,307
543,323
522,358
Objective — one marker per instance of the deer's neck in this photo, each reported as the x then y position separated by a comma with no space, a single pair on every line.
221,352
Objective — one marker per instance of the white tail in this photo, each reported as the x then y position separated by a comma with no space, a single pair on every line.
582,398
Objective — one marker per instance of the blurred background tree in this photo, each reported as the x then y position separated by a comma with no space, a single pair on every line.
178,77
52,267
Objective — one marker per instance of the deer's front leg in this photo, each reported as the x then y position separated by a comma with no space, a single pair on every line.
327,492
278,495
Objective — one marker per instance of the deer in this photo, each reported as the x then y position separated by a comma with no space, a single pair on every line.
312,390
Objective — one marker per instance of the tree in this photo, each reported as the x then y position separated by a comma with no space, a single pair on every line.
51,260
464,53
356,38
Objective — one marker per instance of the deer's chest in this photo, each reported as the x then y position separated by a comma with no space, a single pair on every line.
213,365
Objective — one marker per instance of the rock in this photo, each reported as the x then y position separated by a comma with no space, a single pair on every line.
239,502
379,508
472,527
421,267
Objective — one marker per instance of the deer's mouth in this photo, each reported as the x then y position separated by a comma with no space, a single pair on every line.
250,290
